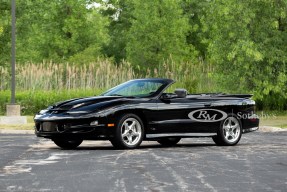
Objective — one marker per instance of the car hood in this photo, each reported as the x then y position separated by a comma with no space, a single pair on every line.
86,105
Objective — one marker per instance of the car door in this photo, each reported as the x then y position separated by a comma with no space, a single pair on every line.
172,115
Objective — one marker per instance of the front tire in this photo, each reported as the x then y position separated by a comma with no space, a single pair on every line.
67,144
229,132
129,132
168,141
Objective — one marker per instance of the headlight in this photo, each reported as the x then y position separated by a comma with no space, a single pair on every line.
94,123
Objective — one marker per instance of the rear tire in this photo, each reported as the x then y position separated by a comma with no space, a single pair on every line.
129,132
168,141
229,132
67,144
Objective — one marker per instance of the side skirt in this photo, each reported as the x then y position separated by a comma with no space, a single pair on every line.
152,136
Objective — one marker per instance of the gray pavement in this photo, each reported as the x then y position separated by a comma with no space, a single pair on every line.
257,163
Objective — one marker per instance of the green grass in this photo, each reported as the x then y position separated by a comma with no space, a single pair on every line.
277,121
273,118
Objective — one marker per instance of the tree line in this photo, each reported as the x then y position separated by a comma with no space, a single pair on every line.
244,40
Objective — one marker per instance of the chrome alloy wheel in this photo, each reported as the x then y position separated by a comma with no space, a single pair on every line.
231,129
131,131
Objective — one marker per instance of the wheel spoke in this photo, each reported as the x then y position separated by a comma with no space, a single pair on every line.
232,135
130,139
233,127
136,134
134,129
229,122
132,125
125,134
126,126
226,135
226,128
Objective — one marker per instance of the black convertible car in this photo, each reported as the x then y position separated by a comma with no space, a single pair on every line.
142,109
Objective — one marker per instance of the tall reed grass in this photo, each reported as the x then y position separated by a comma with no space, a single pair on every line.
102,75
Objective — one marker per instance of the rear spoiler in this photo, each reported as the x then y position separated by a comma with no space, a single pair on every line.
247,96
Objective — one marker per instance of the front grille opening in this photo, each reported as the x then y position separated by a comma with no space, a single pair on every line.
49,127
58,127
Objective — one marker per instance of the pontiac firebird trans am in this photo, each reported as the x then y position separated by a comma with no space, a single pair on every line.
142,109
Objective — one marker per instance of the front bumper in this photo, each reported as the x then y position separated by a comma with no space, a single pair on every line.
72,128
95,132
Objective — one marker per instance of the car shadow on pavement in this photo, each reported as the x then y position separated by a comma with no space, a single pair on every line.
145,146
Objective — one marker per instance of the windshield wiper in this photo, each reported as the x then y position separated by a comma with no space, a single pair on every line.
116,95
122,95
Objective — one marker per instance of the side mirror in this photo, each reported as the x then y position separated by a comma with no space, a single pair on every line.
181,93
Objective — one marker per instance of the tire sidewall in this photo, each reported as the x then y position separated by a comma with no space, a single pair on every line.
220,133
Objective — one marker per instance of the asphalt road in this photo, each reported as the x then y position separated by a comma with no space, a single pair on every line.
257,163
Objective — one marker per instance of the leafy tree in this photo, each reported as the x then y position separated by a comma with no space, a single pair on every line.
246,42
71,29
5,32
158,33
57,30
196,10
120,15
97,38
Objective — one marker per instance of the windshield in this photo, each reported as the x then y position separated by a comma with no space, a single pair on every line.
138,88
